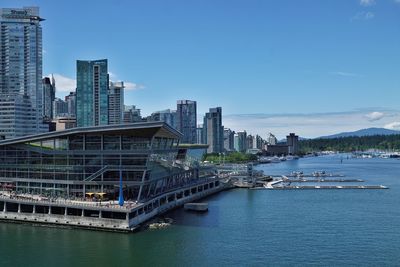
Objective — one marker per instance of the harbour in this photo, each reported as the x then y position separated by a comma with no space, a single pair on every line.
281,220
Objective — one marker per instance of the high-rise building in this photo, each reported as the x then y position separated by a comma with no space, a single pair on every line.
250,141
259,142
187,120
240,141
229,140
49,95
271,139
91,93
167,115
71,102
292,142
60,108
116,103
214,131
200,134
132,114
21,90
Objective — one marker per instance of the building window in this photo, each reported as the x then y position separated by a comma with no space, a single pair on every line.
111,142
93,142
76,142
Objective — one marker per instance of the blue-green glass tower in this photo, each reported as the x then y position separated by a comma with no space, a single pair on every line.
91,92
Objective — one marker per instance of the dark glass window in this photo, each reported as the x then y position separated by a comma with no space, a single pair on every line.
111,142
76,142
93,142
135,143
111,160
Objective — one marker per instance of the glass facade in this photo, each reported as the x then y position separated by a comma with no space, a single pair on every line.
91,93
186,111
21,91
77,161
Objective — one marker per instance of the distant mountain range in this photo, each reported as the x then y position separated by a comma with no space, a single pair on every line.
363,132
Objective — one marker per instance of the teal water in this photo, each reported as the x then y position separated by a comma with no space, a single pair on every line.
243,228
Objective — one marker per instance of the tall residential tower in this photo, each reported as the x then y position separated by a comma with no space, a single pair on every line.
214,131
187,120
21,90
91,93
116,103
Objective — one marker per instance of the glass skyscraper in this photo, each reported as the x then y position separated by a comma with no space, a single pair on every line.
116,103
91,93
21,91
49,95
187,120
213,130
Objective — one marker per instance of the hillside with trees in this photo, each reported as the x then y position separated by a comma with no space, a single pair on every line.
350,144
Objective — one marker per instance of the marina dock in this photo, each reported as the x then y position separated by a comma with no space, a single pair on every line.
289,187
325,180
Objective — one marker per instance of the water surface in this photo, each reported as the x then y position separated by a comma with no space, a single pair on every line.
243,228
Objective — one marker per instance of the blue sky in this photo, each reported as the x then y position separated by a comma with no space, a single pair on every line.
259,58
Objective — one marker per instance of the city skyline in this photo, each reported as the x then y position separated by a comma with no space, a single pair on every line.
338,57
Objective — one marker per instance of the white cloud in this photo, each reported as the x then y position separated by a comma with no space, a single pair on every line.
346,74
309,125
112,75
393,125
63,83
367,2
375,116
133,86
363,15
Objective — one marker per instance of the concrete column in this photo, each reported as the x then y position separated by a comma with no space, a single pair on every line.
66,211
83,213
49,209
5,207
100,214
19,208
34,209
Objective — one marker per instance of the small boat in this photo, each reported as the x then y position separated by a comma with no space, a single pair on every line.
275,160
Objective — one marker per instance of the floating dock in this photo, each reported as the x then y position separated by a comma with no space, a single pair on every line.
324,181
196,206
290,187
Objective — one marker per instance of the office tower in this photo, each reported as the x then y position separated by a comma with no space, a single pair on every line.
187,120
214,131
167,116
116,103
21,90
229,139
271,139
60,108
91,93
249,141
71,102
49,95
132,114
292,142
259,142
240,141
200,134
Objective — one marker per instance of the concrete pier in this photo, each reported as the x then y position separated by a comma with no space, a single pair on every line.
101,217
